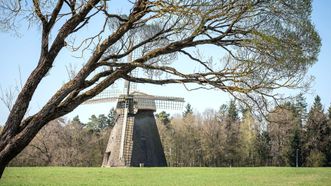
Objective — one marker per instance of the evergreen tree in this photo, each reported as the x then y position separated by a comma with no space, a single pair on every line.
93,123
188,110
300,106
316,135
97,124
232,146
298,110
76,121
103,122
232,111
163,117
112,117
263,147
295,150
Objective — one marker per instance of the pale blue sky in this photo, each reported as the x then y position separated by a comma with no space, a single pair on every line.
22,52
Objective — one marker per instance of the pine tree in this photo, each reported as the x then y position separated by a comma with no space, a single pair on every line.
112,117
295,150
316,135
262,146
232,111
188,110
163,117
93,123
300,108
232,129
103,122
76,121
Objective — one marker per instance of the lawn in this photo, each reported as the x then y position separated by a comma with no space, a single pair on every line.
165,176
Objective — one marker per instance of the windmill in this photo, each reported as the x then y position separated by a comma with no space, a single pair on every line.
134,140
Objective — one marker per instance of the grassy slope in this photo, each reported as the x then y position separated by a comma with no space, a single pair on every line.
166,176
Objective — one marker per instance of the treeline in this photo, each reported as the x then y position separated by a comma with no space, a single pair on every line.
69,143
230,136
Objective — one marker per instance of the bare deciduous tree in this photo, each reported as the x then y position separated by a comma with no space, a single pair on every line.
268,45
280,129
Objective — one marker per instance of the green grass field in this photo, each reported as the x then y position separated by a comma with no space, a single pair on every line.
166,176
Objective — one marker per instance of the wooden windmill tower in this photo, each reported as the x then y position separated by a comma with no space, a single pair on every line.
134,139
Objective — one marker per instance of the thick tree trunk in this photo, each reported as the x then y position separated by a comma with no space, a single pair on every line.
16,143
6,156
2,168
12,150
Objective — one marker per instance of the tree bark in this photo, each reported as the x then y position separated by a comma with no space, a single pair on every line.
2,168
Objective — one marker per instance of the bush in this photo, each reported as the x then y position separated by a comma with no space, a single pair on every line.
316,159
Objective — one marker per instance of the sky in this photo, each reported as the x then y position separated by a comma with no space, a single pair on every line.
19,55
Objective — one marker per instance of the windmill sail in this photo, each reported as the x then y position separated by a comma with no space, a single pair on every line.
142,100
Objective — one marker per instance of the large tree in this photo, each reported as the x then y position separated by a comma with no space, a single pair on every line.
266,45
316,135
248,133
232,130
282,127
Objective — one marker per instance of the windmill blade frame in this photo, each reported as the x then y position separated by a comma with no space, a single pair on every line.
159,102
